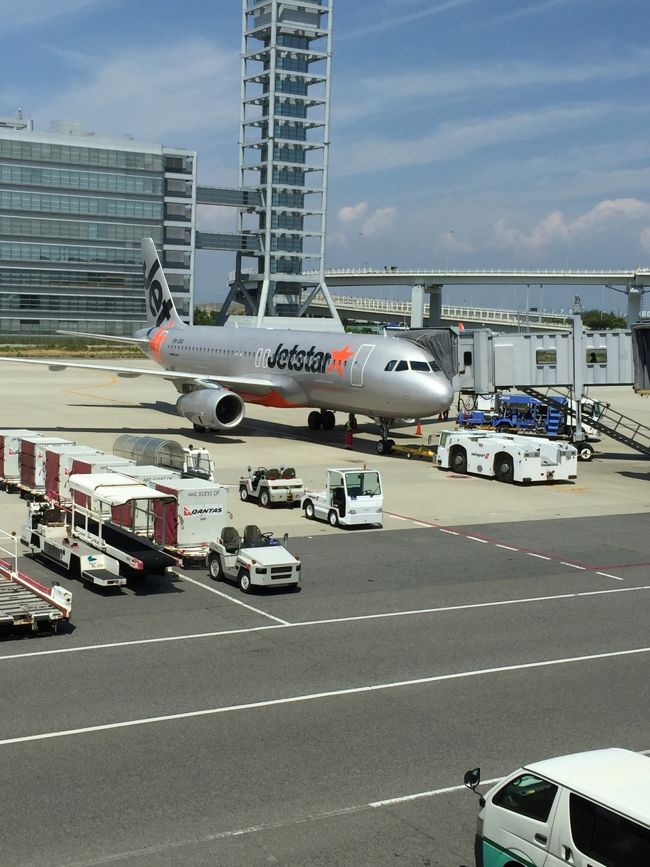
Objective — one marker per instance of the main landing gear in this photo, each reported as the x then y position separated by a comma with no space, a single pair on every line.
385,444
321,419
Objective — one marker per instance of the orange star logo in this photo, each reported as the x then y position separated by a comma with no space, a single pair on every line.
339,357
157,341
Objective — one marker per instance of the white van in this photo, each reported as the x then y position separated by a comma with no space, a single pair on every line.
588,809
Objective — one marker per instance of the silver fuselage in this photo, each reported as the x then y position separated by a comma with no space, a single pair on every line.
346,372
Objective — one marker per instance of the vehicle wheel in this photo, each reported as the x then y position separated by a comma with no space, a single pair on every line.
199,428
504,468
243,494
333,518
585,451
265,499
385,447
309,510
504,427
329,420
295,588
244,581
458,460
214,567
314,420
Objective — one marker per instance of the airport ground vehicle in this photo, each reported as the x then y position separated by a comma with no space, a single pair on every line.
506,457
86,541
425,451
588,809
352,497
271,486
197,513
188,461
519,413
24,602
255,560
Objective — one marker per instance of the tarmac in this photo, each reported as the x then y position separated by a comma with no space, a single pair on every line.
181,722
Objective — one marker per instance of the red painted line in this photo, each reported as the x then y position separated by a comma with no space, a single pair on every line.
554,557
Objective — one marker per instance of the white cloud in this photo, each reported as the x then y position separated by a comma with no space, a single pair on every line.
644,238
349,213
404,91
362,223
175,90
555,227
378,222
396,17
28,13
452,243
453,140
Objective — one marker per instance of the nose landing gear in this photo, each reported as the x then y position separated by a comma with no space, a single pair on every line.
385,444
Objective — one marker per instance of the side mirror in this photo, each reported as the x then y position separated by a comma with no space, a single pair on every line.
248,468
472,778
285,539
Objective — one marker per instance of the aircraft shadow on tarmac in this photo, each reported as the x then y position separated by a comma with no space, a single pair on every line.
250,427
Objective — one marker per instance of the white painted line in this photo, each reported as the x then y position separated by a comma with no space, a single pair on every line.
398,517
281,823
317,696
607,575
573,565
160,848
420,524
476,539
539,556
388,802
325,622
506,547
231,599
451,532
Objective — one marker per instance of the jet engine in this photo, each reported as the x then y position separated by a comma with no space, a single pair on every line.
211,408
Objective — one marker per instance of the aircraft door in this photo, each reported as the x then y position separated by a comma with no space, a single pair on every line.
359,363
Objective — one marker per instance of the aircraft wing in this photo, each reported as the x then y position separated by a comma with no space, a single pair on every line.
251,384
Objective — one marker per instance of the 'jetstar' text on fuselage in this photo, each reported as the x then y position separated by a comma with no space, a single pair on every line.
294,359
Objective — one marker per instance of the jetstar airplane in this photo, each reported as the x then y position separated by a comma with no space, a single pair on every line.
218,370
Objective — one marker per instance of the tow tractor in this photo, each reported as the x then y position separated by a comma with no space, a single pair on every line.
271,486
352,497
506,457
87,542
256,560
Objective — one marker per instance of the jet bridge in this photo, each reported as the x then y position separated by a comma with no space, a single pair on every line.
542,365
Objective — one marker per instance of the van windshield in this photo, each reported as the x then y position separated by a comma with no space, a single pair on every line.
363,484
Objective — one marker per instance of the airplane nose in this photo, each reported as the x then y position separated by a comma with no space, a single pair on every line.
441,393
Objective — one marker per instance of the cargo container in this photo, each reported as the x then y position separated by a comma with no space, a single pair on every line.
97,463
187,526
10,453
58,467
32,462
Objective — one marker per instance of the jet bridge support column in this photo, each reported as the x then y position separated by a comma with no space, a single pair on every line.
434,319
578,366
417,306
634,295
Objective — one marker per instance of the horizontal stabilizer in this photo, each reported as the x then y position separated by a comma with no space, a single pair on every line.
138,341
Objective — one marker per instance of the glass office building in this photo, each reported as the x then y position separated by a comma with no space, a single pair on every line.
73,209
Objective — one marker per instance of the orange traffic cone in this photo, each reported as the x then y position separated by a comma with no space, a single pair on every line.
418,429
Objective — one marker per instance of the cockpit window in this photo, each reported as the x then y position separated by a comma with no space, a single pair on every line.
420,365
435,367
402,365
390,365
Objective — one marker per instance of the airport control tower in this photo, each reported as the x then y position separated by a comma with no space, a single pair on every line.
284,139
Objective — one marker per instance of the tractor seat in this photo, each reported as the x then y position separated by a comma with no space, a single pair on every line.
230,539
252,536
273,475
289,473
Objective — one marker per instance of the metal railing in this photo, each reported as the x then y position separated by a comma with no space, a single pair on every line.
449,311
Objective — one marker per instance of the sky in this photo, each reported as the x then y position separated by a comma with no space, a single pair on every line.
465,133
